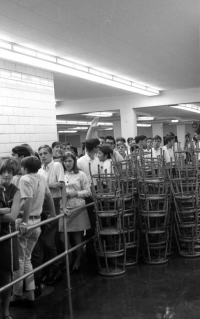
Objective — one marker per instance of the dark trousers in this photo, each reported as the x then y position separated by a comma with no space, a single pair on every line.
45,249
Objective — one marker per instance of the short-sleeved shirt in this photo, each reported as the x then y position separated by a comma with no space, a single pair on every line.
53,173
106,166
85,162
168,154
33,186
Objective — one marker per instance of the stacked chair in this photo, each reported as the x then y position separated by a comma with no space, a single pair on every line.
110,242
186,192
153,209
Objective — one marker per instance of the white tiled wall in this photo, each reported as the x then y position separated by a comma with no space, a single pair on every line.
27,107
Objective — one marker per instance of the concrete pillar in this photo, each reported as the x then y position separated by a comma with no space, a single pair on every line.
128,123
157,129
117,129
181,133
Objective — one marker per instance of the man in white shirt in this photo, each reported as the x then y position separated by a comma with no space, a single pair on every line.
53,173
168,149
90,163
157,149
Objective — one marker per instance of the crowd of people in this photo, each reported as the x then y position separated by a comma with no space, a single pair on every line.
37,185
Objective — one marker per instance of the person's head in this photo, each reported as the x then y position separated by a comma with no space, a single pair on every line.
19,152
104,153
45,154
8,168
140,140
29,148
120,139
157,141
70,162
130,141
170,134
110,141
57,148
74,150
149,143
187,137
102,140
170,140
91,145
121,147
30,164
197,132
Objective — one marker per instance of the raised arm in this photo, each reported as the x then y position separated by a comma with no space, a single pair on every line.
91,128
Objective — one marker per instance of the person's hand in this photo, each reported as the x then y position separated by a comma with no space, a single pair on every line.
58,185
95,121
23,229
72,194
67,211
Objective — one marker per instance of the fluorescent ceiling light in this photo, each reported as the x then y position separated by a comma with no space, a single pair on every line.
60,65
145,118
59,121
174,121
20,49
99,114
79,128
108,129
144,125
187,107
67,131
83,123
5,45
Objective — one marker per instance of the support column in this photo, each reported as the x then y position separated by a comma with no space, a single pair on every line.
157,129
181,133
128,122
117,129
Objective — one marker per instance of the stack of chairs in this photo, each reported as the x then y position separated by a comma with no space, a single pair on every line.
110,242
186,193
128,184
153,193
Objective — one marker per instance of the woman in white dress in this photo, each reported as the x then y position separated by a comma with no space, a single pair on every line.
77,187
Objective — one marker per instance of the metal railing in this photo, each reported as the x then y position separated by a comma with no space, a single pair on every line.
73,213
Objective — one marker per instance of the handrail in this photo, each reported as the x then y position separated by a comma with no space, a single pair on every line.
64,254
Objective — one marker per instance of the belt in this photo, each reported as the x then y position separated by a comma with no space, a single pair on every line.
30,217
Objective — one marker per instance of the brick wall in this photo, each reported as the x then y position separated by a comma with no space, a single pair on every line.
27,107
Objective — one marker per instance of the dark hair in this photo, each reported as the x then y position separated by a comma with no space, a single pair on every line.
120,139
29,148
157,137
149,138
55,144
129,139
74,150
21,151
169,138
170,134
139,138
195,139
102,137
49,149
9,164
134,147
91,143
73,156
31,163
106,150
109,137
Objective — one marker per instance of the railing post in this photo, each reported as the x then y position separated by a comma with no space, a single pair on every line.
67,267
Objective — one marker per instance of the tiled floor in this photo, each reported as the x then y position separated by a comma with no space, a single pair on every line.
144,292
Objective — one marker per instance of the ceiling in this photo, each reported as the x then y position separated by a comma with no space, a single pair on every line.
151,42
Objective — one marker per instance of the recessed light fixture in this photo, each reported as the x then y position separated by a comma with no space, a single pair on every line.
187,107
144,125
174,121
99,114
145,118
21,54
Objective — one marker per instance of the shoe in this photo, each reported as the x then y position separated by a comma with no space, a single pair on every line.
29,303
38,290
17,303
57,277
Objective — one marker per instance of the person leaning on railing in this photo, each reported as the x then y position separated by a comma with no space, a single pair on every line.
9,210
